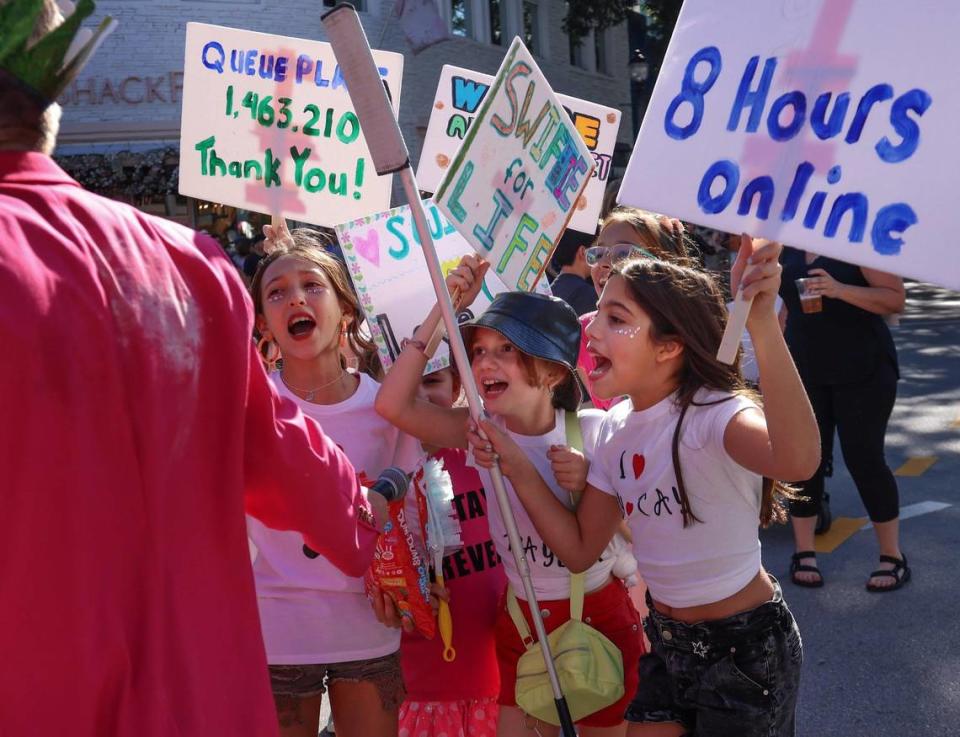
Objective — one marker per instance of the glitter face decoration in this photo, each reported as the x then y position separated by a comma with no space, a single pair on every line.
628,332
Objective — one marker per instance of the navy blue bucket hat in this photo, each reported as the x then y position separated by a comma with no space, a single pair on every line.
540,326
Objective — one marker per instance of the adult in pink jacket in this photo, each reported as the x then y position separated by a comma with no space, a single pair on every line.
136,428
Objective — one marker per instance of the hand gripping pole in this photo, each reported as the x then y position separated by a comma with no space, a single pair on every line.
389,154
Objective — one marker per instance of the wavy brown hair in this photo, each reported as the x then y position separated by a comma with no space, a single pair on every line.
685,305
310,245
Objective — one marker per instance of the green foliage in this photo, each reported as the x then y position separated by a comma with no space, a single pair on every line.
584,15
661,18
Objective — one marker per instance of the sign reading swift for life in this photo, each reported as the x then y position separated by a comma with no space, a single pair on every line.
515,182
388,269
459,95
267,125
828,125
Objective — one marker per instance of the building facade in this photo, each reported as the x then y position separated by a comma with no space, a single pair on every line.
121,121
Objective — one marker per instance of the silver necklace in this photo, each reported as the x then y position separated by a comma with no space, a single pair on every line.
310,394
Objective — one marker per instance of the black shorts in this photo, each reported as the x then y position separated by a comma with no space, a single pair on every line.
734,677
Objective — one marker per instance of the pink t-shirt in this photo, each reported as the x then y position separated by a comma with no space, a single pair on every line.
310,612
585,361
475,578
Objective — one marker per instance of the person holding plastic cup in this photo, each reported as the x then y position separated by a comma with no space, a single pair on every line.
847,359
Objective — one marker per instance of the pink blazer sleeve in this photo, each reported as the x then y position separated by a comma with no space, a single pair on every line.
298,479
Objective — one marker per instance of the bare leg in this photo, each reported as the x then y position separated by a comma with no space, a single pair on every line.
803,529
888,535
298,717
514,723
358,711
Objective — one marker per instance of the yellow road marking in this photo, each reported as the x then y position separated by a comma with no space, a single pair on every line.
841,529
915,466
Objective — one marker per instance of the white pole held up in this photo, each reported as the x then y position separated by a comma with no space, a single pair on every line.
389,154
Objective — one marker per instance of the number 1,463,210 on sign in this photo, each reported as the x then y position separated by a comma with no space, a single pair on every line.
311,121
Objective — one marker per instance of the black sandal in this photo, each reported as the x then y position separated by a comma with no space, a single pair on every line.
797,567
900,573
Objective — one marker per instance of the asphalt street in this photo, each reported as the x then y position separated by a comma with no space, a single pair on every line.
888,665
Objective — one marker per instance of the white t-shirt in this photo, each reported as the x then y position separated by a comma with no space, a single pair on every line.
551,579
708,560
310,612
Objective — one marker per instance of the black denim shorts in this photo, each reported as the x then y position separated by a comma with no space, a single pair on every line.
733,677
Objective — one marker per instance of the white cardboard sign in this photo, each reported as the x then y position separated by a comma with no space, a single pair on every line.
267,125
389,272
829,125
515,181
459,95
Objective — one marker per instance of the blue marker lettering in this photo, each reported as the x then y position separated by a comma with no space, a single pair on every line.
797,188
692,92
852,201
877,93
503,208
916,101
249,63
779,132
762,186
730,173
219,56
890,220
468,94
304,67
823,128
756,99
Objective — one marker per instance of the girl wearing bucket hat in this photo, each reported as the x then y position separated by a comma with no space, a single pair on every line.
683,459
523,353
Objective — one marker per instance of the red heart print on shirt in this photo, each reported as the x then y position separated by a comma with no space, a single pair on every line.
639,463
629,508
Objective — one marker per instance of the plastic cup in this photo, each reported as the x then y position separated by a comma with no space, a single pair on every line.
809,302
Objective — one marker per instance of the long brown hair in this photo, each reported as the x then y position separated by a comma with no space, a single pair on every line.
310,245
686,305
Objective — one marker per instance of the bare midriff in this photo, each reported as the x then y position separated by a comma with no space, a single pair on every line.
758,591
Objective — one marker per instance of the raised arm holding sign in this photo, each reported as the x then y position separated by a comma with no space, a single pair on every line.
389,154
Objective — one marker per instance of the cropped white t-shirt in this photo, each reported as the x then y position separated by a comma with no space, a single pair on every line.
708,560
310,612
551,579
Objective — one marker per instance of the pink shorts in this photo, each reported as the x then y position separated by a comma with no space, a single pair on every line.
470,718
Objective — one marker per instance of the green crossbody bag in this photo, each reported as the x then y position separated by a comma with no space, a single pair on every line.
589,666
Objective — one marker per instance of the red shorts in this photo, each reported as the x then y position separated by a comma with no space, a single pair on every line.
608,610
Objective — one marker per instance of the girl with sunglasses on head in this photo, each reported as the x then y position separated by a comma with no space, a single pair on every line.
686,460
626,232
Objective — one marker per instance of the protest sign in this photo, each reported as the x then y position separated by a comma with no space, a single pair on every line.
389,272
514,183
826,125
268,125
459,95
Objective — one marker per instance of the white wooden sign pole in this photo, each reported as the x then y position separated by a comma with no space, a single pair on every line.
389,154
